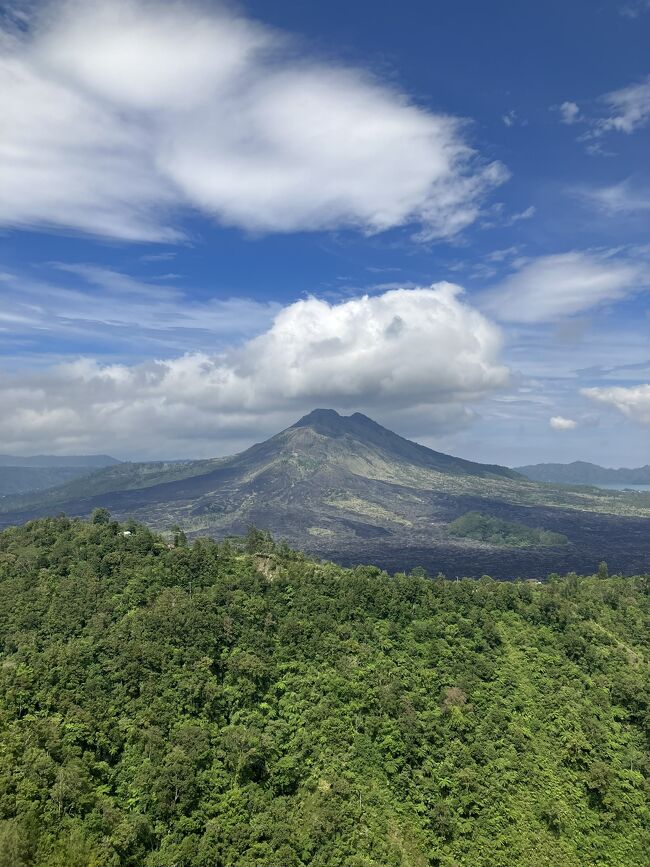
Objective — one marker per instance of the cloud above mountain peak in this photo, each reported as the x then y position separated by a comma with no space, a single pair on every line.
405,349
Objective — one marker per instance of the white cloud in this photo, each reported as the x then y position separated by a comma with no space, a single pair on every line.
517,217
560,423
633,401
625,110
630,108
119,114
418,350
621,198
503,254
559,285
126,317
635,8
569,112
496,216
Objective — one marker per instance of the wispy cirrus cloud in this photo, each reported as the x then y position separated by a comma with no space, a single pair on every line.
548,288
120,115
629,109
635,8
625,110
622,198
498,217
66,305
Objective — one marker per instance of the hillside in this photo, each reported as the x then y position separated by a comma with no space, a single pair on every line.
240,704
350,490
583,473
27,474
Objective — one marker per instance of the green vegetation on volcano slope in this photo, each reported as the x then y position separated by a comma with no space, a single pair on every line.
486,528
239,704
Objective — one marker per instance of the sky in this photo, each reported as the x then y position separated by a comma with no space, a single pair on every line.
215,217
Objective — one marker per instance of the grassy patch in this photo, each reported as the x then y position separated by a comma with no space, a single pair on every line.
364,507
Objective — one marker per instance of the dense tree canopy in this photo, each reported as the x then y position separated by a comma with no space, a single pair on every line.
238,704
487,528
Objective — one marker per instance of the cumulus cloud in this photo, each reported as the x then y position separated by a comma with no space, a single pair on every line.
119,114
418,350
560,423
633,401
551,287
569,112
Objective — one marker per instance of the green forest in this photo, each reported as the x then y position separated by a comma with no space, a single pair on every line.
175,704
486,528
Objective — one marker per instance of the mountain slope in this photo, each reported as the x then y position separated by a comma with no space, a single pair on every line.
583,473
349,489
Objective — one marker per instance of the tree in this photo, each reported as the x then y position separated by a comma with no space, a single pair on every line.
100,516
179,539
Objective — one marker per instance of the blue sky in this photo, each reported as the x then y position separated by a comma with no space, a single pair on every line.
215,218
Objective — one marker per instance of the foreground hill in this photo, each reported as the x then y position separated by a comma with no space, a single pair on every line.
26,474
240,704
583,473
350,490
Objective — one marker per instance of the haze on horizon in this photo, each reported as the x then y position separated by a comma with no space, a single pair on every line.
215,218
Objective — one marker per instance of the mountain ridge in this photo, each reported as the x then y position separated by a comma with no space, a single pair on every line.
585,473
332,423
94,460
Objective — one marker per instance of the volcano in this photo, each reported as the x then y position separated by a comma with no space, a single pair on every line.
348,489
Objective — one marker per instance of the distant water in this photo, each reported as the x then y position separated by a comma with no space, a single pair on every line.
618,486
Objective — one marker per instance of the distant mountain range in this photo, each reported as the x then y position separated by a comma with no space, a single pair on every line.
25,474
583,473
91,462
346,488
